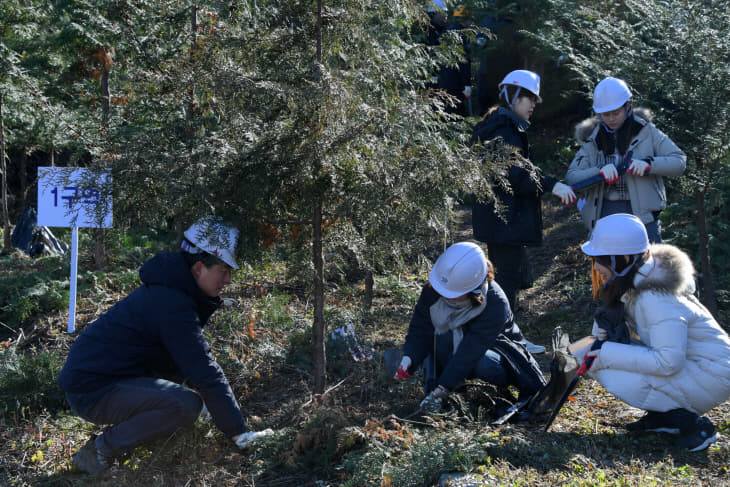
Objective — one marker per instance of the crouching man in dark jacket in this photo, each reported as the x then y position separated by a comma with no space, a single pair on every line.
112,374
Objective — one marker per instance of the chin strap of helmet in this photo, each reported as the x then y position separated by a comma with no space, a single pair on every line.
506,96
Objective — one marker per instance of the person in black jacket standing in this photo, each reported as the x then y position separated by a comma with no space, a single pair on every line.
519,221
462,327
127,368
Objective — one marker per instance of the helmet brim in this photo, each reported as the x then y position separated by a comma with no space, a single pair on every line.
588,249
432,278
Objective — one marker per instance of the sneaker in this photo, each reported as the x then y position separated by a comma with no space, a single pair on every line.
89,460
701,435
533,348
652,421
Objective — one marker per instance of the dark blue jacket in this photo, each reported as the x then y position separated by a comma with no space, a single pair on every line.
156,331
521,220
480,334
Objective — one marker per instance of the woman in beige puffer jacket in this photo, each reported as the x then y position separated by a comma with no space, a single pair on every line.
618,129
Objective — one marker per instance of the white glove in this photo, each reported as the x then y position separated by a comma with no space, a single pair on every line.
609,173
638,167
245,439
467,91
432,402
204,414
599,332
402,372
564,192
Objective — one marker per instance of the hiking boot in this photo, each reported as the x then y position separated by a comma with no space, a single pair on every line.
533,348
699,436
89,460
652,421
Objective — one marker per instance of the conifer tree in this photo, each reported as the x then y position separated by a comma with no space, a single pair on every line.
327,145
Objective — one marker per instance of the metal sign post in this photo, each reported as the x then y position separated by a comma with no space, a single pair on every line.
72,197
72,281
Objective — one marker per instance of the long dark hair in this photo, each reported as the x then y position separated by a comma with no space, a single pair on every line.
478,299
612,291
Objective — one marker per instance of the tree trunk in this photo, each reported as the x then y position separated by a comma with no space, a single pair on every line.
707,284
3,167
369,287
100,253
23,178
318,328
193,48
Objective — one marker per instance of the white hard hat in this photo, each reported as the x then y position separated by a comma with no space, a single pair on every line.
459,270
610,94
211,235
523,79
617,234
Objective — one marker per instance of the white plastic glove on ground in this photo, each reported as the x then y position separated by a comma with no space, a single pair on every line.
564,192
599,332
245,439
638,167
609,173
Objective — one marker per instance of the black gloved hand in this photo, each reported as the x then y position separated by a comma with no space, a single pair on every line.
612,320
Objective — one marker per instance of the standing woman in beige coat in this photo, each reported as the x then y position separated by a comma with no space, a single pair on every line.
677,364
607,138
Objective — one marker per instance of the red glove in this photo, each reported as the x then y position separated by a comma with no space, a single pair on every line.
405,364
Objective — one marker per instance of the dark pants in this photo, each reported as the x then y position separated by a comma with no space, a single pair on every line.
489,369
511,267
138,410
653,229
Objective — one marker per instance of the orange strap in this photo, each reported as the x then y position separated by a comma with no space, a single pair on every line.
596,280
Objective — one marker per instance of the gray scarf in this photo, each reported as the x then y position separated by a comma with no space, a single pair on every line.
446,315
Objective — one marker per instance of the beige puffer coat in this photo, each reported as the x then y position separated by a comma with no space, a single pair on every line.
683,360
647,192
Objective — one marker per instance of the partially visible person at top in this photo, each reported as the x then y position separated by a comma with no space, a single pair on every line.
454,80
518,222
618,129
144,368
462,327
676,364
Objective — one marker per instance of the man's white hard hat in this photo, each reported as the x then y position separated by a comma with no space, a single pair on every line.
524,79
459,270
617,234
610,94
211,235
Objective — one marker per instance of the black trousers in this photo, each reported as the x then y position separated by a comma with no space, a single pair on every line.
512,269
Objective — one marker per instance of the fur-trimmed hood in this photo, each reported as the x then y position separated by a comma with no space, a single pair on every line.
669,271
585,128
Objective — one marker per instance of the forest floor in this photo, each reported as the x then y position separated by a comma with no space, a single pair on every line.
363,430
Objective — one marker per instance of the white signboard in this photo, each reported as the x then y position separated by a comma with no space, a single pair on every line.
72,197
69,197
